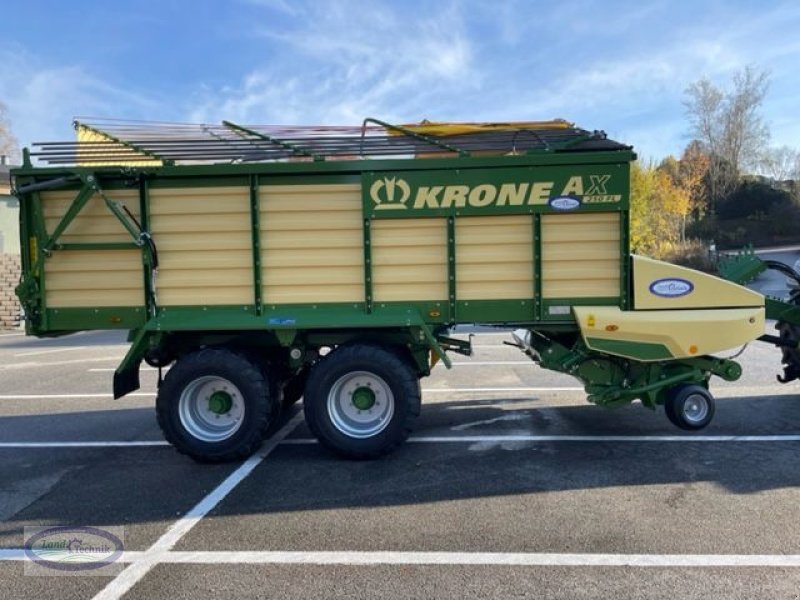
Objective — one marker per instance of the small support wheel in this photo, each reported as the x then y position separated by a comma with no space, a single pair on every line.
690,407
215,405
361,400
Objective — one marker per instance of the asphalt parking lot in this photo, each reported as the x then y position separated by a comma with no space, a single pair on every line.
512,486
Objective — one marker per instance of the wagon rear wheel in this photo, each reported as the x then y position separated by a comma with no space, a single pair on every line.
215,405
361,401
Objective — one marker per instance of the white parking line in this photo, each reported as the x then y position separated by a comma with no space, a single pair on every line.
500,390
486,363
71,396
493,346
51,351
109,444
55,363
503,390
474,363
488,558
109,370
119,586
516,559
460,439
716,439
474,439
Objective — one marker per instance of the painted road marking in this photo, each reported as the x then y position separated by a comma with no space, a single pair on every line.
51,351
500,390
452,439
520,559
77,361
109,444
485,363
473,439
119,586
474,363
738,391
109,370
71,396
424,390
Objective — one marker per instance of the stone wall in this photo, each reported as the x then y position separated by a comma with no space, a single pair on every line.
9,278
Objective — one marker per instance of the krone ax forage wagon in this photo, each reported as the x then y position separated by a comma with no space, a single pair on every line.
268,263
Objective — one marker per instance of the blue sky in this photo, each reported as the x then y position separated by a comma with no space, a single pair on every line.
614,65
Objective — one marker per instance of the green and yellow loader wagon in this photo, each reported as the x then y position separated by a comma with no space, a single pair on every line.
264,264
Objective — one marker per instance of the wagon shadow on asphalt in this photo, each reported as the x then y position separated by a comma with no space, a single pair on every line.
146,485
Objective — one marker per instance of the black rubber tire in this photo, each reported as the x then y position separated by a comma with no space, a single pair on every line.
678,400
380,362
260,406
295,387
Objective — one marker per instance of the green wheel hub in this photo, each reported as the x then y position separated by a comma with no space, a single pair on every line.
220,402
364,398
360,404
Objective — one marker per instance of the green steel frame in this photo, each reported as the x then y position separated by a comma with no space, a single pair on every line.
419,326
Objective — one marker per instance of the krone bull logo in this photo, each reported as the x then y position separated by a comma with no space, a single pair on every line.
390,193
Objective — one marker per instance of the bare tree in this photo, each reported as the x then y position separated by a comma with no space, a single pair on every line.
745,135
9,146
729,126
780,164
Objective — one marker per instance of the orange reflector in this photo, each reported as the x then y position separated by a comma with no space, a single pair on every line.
116,319
611,327
433,313
692,349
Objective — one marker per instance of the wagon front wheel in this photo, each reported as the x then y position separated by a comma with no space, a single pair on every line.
690,407
361,400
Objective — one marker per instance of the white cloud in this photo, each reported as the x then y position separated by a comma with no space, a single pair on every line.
348,62
338,62
284,6
43,99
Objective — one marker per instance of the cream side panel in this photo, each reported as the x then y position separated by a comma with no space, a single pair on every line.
310,240
95,222
409,260
94,278
204,242
581,255
686,333
707,291
312,248
292,258
494,258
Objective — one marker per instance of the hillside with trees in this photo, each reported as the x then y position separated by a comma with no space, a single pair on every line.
729,187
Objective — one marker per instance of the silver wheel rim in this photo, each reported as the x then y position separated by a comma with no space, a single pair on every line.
204,411
695,408
349,404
